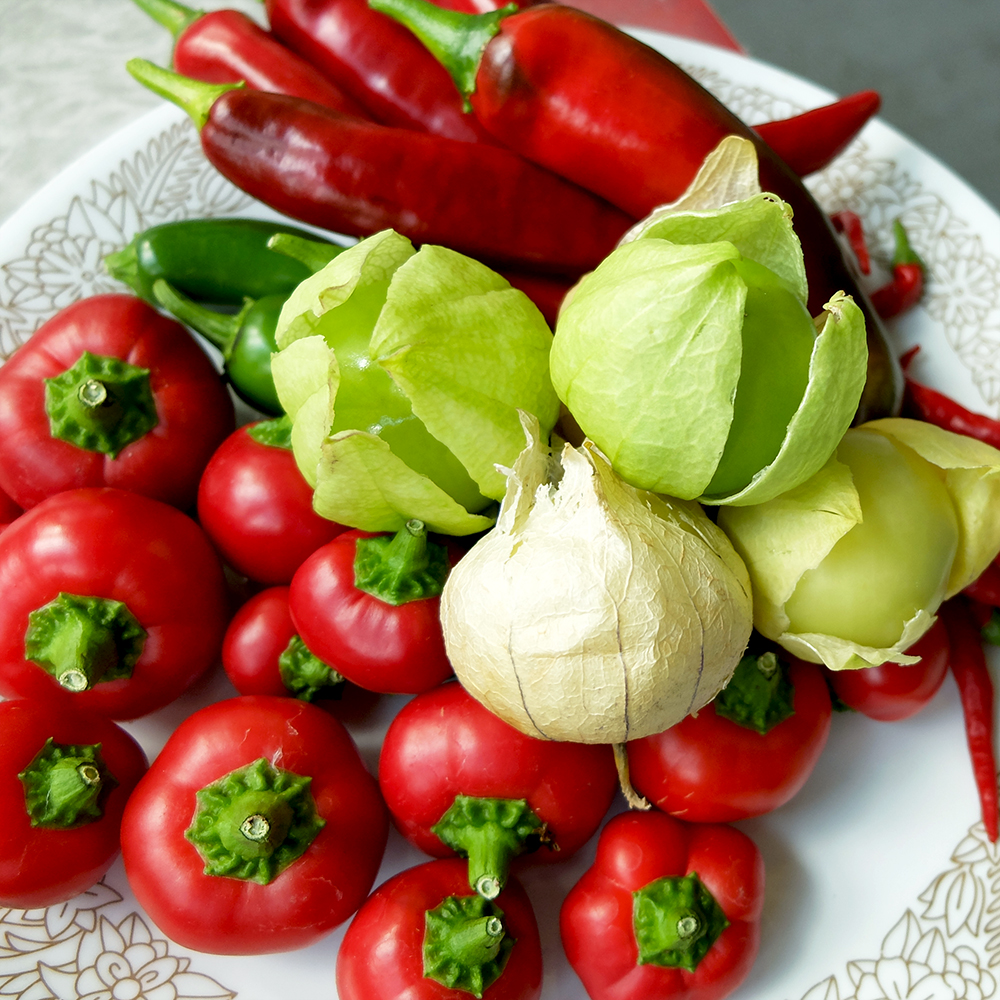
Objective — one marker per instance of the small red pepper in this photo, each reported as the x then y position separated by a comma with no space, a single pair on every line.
907,285
358,178
378,62
223,46
849,223
986,588
936,408
810,141
975,686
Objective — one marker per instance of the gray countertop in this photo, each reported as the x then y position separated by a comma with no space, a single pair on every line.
63,86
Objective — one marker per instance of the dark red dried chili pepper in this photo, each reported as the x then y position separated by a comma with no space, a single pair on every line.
378,62
595,105
223,46
975,686
903,292
810,141
358,178
849,223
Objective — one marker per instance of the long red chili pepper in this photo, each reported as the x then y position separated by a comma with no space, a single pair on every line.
810,141
975,686
223,46
849,223
986,588
577,95
903,292
357,178
378,62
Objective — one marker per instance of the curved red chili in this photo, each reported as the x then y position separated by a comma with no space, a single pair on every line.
359,178
223,46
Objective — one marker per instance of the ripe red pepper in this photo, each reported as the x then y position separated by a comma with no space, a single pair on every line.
9,511
359,178
65,776
110,393
458,779
263,654
669,911
849,223
975,686
903,292
111,599
367,605
810,141
744,754
223,46
423,936
378,62
986,588
596,106
257,509
257,828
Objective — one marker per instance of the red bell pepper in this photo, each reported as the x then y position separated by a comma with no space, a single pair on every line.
223,46
257,509
111,599
65,776
458,779
812,140
110,393
744,754
367,605
596,106
257,828
669,911
423,936
378,62
359,178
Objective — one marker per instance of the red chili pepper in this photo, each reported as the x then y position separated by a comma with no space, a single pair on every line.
986,588
907,285
359,178
593,104
975,686
223,46
378,62
809,141
849,223
936,408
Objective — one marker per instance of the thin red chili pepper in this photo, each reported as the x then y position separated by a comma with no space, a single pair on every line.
924,403
849,223
903,292
223,46
810,141
356,177
986,588
975,686
378,62
595,105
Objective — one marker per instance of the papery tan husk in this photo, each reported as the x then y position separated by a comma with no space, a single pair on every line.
594,612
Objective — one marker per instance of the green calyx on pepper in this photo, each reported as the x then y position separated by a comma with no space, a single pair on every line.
276,433
82,641
100,404
253,822
759,695
305,675
65,785
465,944
490,832
676,921
402,567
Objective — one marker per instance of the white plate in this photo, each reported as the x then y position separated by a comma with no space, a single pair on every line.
880,880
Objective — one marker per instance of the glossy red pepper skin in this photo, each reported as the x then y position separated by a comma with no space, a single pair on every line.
986,587
9,511
359,178
378,62
193,406
635,849
902,293
810,141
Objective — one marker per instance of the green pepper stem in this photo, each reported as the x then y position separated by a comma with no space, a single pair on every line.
904,252
192,96
759,695
455,39
65,785
220,329
314,254
173,16
402,567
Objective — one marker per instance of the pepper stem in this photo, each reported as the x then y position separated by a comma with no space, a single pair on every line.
402,567
220,329
173,16
65,785
759,695
455,39
305,675
192,96
903,252
312,253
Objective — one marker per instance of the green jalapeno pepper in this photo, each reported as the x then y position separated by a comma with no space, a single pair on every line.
222,261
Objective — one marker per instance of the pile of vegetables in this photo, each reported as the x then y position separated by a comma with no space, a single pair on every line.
590,443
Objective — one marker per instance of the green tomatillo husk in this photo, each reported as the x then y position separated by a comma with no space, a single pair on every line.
594,612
